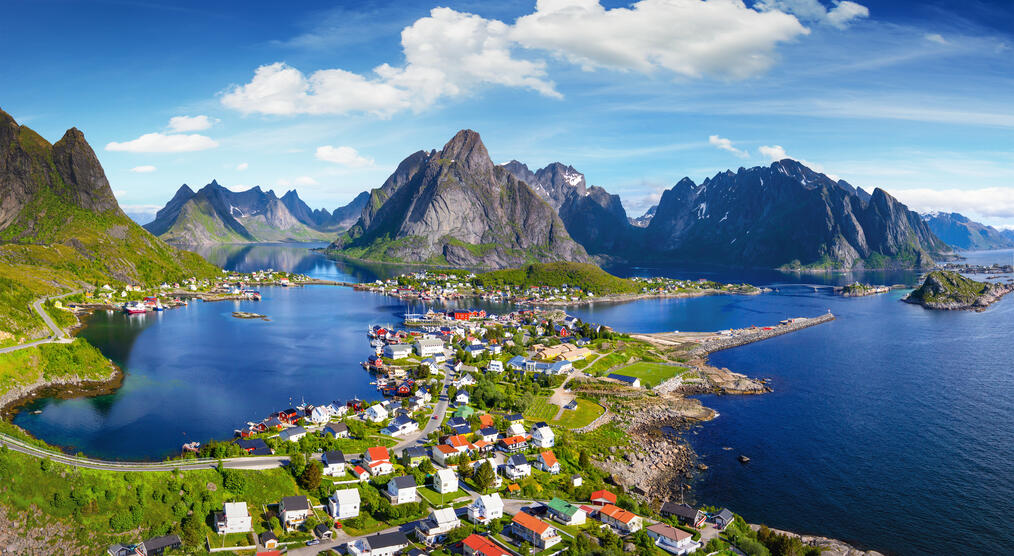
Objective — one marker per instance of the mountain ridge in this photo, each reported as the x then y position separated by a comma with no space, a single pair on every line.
961,232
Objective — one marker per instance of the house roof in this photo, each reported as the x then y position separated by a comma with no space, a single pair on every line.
446,475
548,458
446,449
488,431
563,507
267,536
482,545
623,378
334,457
337,427
346,496
292,432
377,454
235,509
513,487
458,441
445,515
669,532
158,543
413,452
517,459
359,470
296,503
515,417
681,510
617,513
603,495
491,500
486,420
725,514
530,522
386,540
407,481
511,440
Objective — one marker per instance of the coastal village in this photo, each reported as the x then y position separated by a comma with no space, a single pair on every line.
529,432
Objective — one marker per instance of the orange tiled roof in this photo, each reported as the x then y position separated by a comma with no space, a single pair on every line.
531,523
617,513
549,458
377,454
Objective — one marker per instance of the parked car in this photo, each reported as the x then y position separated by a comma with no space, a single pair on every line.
312,542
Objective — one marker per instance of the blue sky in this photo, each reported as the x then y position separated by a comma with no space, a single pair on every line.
327,98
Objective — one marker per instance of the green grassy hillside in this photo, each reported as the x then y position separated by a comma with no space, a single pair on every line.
586,276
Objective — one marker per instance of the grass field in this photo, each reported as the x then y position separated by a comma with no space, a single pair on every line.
651,374
607,362
541,409
434,498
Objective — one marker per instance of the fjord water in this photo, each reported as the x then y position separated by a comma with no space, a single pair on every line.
890,427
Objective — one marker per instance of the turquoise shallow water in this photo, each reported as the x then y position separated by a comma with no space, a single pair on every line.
891,427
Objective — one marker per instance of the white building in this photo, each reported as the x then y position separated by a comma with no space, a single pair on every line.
429,346
486,508
397,351
293,511
445,481
518,467
334,463
438,524
672,540
377,413
344,504
234,518
401,490
542,436
495,366
293,434
320,414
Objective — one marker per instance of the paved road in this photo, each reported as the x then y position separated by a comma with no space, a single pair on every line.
420,437
59,335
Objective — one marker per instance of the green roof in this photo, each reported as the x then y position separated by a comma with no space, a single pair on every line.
563,507
464,412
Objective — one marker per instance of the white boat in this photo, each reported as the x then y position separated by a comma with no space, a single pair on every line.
134,307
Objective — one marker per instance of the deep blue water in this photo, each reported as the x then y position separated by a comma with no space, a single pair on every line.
890,427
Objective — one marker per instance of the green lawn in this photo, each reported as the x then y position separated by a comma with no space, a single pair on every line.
586,412
541,409
651,374
434,498
607,362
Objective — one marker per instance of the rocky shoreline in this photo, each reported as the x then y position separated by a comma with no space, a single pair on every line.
62,387
828,546
626,298
950,291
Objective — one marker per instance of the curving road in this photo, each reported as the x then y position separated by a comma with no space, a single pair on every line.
59,335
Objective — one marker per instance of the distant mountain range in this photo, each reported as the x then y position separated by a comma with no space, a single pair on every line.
215,214
455,207
960,232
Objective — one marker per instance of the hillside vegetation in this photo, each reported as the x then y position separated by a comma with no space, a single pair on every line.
586,276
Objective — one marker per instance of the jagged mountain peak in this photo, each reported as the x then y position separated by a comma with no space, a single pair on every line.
466,148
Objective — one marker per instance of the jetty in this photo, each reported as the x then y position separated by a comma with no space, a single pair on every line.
710,342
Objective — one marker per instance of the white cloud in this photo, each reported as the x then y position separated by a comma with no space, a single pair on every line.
162,143
143,169
936,37
726,145
183,124
301,180
345,156
841,14
451,53
988,202
242,166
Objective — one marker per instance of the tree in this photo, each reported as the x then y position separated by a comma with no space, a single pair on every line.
311,476
297,464
484,476
584,460
190,532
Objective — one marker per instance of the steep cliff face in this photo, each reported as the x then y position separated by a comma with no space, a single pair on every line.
215,214
59,220
788,215
456,207
555,183
961,232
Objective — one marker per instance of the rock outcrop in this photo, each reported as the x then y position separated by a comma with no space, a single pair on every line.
456,207
946,290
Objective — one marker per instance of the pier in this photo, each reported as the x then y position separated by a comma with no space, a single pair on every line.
710,342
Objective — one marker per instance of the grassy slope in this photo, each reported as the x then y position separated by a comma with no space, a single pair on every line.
943,286
585,276
51,362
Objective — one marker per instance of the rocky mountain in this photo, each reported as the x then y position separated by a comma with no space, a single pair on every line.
960,232
454,206
787,215
345,217
947,290
215,214
645,219
61,227
592,216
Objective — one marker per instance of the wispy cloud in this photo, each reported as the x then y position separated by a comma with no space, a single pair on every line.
184,124
343,156
143,169
161,143
726,145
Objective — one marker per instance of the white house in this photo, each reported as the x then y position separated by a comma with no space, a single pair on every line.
397,351
445,481
234,518
542,436
671,539
344,504
378,461
438,524
495,366
401,490
461,398
334,463
293,434
401,426
486,508
516,429
429,346
337,430
320,414
381,544
377,413
293,511
518,467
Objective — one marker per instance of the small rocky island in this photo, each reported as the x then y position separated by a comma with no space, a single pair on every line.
246,315
947,290
857,289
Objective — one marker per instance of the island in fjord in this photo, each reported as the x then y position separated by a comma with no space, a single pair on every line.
947,290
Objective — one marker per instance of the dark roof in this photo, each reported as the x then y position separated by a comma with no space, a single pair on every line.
401,420
386,540
296,503
320,529
158,543
334,457
416,452
725,514
489,430
407,481
250,443
515,417
517,459
337,427
267,536
680,510
262,451
623,378
462,428
455,421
